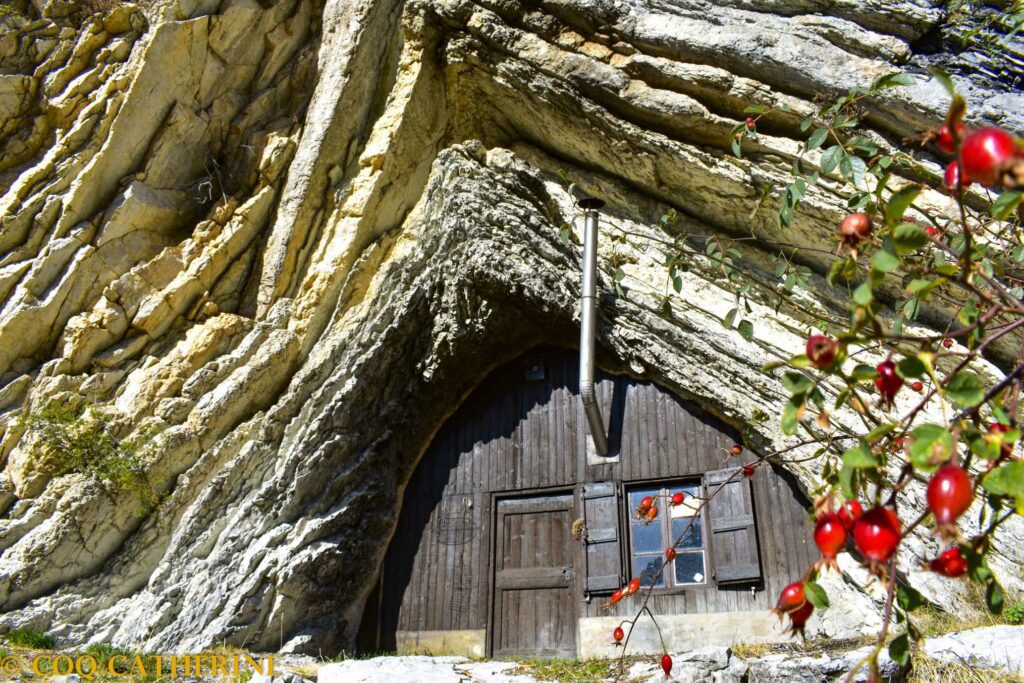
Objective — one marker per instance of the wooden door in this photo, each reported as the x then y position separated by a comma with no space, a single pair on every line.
534,612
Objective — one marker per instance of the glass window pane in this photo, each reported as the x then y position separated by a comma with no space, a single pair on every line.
690,504
647,538
647,567
694,537
690,568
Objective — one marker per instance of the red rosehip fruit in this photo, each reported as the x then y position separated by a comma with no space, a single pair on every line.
888,382
951,563
944,137
855,228
670,554
633,586
616,596
998,428
750,123
877,533
950,493
821,350
917,386
986,153
646,503
951,178
850,513
830,535
791,599
932,230
678,497
748,470
666,664
798,618
735,449
947,343
618,634
652,514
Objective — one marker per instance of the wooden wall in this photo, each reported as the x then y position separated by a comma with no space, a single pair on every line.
515,433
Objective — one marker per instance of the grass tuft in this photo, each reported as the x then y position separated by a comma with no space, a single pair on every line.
573,670
924,669
30,637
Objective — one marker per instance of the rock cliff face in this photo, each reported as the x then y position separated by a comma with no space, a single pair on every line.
289,236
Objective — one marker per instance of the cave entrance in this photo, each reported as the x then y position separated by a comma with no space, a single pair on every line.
510,538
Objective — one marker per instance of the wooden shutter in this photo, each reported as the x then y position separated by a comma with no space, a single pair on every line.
601,541
733,537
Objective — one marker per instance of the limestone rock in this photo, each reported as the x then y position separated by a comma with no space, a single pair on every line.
994,647
440,669
289,235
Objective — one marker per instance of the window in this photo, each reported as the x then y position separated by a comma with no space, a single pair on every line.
649,541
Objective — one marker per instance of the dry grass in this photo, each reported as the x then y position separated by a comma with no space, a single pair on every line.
927,670
807,648
971,613
575,670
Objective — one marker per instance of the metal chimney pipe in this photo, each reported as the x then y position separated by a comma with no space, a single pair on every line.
588,326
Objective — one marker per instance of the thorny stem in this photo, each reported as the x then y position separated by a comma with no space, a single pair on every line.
664,563
872,658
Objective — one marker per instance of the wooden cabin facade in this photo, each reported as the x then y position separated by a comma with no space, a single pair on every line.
512,535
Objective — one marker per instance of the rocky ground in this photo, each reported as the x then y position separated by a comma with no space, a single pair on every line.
993,654
986,654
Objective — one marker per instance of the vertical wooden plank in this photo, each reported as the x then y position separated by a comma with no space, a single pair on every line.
555,452
643,431
664,459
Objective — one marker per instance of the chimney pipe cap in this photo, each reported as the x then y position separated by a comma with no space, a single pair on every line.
590,203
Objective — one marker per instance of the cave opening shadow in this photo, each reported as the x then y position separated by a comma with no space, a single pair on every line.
493,414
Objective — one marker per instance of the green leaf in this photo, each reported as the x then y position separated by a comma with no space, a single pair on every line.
730,317
851,170
796,383
859,457
892,80
930,447
899,649
983,447
1006,204
830,158
909,599
848,480
884,261
864,372
910,367
898,204
816,595
737,149
922,288
755,109
789,415
842,269
1007,480
746,329
966,389
994,597
800,361
862,296
879,431
944,80
817,137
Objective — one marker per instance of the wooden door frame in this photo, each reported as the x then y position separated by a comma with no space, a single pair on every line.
492,560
